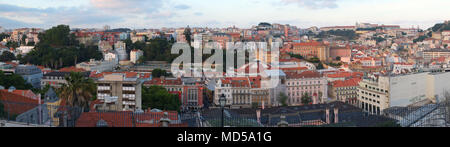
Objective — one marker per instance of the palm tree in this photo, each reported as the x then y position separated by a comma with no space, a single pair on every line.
78,90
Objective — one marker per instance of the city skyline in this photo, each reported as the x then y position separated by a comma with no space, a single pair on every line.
138,14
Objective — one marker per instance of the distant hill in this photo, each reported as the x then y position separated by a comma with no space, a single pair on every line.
440,27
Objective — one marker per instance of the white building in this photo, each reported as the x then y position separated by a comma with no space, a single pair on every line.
135,55
99,66
120,48
377,94
23,50
111,56
399,68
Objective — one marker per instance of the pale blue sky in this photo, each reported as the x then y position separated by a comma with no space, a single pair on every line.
219,13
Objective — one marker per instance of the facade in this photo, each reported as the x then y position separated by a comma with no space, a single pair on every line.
312,49
307,82
429,55
120,48
99,66
344,91
57,79
373,95
344,53
135,55
378,93
120,93
32,74
190,91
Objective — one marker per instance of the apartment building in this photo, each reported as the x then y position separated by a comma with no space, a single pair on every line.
429,55
119,92
312,49
307,82
380,92
190,90
344,90
31,74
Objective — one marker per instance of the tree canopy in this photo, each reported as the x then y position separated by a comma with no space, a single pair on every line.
58,48
7,56
158,97
156,73
306,99
14,80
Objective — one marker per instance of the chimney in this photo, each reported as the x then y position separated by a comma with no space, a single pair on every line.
336,115
258,115
327,117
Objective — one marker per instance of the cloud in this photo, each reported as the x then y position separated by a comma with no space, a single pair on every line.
313,4
9,23
128,6
182,7
198,14
53,16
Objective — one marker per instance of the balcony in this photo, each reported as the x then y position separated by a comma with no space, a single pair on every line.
129,89
103,88
129,103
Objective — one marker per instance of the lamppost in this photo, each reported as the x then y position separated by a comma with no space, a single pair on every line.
222,101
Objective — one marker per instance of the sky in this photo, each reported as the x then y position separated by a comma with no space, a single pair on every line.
138,14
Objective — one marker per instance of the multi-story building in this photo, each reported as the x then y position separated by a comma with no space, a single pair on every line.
429,55
135,55
190,90
57,79
120,48
306,82
345,91
378,93
32,74
120,93
312,49
373,95
99,66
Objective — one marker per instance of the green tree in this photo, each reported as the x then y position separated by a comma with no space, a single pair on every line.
24,37
283,99
78,90
7,56
320,66
12,44
3,36
58,36
14,80
306,99
338,58
187,34
156,73
158,97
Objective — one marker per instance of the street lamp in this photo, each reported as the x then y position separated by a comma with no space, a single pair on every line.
222,102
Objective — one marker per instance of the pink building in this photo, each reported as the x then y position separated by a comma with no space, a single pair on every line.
307,82
344,52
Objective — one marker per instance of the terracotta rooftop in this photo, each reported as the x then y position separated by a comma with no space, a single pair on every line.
16,104
347,83
304,74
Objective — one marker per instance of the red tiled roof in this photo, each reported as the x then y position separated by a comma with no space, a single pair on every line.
71,69
345,74
16,104
159,81
100,75
347,83
304,74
